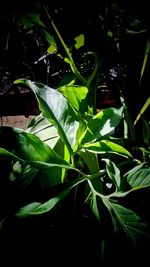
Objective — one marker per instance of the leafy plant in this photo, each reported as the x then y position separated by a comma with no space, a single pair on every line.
66,146
70,158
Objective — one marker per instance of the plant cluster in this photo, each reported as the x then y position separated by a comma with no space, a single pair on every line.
75,159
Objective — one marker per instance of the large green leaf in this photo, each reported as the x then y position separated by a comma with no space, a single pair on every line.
103,123
29,149
59,112
131,223
42,128
5,154
139,176
105,147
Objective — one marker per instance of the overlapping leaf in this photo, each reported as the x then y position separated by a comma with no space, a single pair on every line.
131,223
60,113
139,176
106,146
103,123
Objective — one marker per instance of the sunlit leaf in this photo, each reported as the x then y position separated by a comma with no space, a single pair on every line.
76,95
59,112
139,176
79,41
105,147
103,123
144,108
43,129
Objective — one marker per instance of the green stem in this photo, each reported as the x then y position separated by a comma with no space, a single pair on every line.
92,76
73,66
128,124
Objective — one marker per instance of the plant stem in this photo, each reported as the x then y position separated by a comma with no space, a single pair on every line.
73,66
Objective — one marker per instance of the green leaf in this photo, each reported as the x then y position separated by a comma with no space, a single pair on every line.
103,123
145,59
144,108
22,173
45,207
94,206
146,131
105,147
131,223
138,177
90,159
38,208
59,112
32,19
30,150
52,49
76,95
51,41
113,172
79,41
23,212
44,130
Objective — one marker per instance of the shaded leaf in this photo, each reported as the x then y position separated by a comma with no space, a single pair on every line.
113,172
32,19
38,208
131,223
94,206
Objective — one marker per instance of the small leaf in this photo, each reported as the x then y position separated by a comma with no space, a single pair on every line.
113,172
79,41
52,49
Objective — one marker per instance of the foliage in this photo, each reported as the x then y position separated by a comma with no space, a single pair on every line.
73,156
62,143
